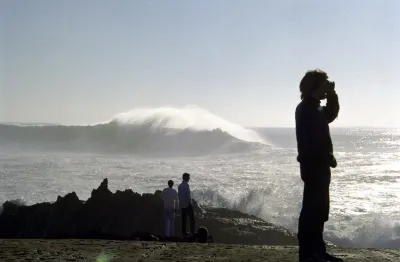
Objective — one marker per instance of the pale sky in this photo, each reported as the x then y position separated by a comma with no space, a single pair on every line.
76,62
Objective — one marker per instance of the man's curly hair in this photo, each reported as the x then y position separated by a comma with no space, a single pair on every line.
311,80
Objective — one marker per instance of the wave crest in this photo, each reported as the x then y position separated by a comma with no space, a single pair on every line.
191,118
190,130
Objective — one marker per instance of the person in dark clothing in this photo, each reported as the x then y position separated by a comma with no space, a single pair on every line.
315,155
185,202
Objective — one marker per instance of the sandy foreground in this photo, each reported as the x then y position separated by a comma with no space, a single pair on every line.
108,250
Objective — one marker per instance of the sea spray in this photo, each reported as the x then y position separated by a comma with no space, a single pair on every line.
193,118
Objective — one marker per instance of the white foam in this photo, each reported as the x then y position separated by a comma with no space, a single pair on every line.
367,231
188,117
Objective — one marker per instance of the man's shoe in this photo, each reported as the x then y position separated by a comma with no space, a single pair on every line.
331,258
314,258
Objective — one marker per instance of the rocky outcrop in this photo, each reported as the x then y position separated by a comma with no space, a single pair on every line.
129,215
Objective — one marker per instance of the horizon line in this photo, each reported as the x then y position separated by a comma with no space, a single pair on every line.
251,127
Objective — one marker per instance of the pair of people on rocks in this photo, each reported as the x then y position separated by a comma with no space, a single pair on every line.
173,201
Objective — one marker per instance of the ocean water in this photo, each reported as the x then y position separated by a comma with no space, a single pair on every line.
251,170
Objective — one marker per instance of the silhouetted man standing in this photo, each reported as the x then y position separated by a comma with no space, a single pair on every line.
185,202
315,155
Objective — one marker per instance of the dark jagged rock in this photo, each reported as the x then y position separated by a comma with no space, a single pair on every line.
158,193
64,211
125,215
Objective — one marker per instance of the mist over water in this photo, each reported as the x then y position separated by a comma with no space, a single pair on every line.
254,171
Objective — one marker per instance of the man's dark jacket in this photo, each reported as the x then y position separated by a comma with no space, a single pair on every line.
314,143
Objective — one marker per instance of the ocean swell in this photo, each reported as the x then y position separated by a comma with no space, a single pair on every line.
187,131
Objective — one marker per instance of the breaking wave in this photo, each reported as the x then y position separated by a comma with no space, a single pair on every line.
372,230
190,130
